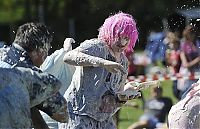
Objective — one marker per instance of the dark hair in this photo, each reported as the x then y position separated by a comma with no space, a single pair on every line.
32,36
190,33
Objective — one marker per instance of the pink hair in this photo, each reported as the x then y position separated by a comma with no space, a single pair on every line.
116,26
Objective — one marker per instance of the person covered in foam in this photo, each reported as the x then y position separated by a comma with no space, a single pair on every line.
98,84
185,114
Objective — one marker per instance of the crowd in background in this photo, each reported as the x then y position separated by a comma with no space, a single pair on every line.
172,53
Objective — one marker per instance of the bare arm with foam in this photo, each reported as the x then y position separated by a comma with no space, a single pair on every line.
78,58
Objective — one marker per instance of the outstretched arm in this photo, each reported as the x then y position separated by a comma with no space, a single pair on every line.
78,58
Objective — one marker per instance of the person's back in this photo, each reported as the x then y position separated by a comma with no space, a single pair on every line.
16,56
14,101
20,89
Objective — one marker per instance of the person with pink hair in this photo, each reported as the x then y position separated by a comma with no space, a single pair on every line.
98,87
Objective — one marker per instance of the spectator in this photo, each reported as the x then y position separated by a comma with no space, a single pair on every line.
173,60
190,55
155,47
155,110
173,52
29,49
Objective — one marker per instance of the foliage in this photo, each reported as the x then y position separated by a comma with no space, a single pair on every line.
10,11
86,16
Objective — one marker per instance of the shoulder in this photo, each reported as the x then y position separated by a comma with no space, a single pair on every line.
92,42
4,53
5,48
93,47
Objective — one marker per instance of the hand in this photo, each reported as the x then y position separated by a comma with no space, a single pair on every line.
185,65
114,67
129,92
128,95
68,44
143,85
61,115
132,89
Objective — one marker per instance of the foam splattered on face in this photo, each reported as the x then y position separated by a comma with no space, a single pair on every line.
123,42
120,45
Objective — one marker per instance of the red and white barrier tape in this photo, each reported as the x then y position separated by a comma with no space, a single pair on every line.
163,77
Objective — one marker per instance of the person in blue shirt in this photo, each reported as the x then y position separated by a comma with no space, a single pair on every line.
20,89
155,47
29,49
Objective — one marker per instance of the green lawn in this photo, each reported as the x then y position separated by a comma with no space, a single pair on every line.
129,115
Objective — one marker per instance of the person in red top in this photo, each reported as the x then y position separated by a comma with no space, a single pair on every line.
190,55
173,58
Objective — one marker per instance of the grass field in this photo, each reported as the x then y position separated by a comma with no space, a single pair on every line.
129,115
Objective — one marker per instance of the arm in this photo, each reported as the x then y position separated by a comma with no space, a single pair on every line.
55,107
78,58
43,91
167,56
40,86
191,63
38,121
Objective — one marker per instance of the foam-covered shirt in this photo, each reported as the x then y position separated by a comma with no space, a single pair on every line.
16,56
20,89
93,89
